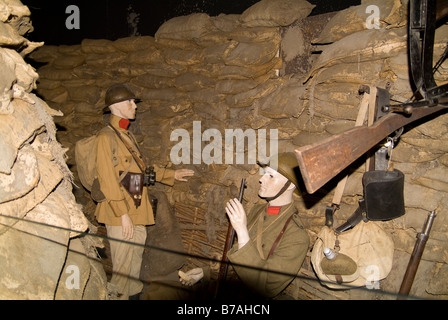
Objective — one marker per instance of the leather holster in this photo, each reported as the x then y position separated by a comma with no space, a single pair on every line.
133,183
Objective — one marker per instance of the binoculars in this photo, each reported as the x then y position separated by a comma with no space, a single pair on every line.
149,178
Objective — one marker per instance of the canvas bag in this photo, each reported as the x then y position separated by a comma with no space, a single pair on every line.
367,244
85,157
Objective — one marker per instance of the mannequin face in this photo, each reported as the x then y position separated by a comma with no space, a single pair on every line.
271,183
125,109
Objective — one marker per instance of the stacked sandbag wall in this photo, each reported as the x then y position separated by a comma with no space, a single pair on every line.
271,67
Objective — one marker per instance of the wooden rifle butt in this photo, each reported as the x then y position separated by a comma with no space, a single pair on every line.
323,160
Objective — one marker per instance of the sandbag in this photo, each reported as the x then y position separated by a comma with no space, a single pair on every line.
185,27
360,17
363,46
18,127
274,13
251,54
100,46
24,176
9,36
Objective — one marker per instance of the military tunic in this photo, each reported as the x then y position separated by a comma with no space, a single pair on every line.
287,257
118,202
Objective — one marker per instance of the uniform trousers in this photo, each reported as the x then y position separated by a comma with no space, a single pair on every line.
126,260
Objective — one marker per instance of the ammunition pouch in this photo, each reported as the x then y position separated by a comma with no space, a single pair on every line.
133,183
383,198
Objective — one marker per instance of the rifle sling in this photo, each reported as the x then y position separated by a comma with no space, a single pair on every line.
274,245
365,106
329,213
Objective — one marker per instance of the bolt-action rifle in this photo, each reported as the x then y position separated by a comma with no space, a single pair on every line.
228,244
416,256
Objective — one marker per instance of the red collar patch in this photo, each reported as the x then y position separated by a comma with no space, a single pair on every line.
124,124
273,210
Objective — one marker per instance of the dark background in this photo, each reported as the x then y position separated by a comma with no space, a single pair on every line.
107,19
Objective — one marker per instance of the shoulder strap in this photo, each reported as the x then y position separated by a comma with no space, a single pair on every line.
274,245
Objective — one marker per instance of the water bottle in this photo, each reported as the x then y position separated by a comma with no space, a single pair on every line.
335,263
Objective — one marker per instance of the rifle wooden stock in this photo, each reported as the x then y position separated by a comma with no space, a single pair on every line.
322,161
416,256
228,244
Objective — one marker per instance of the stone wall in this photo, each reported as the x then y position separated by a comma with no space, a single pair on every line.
42,255
271,67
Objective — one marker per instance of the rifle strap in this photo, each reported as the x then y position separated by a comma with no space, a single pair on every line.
370,162
353,220
274,245
362,113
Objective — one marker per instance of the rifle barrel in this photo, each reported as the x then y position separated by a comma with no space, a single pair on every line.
228,244
416,256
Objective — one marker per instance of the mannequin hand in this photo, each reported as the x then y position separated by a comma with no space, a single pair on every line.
238,219
191,277
128,227
181,173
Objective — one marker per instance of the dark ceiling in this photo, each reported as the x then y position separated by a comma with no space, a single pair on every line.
108,19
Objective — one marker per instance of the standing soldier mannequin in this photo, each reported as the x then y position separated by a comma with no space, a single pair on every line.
271,239
125,208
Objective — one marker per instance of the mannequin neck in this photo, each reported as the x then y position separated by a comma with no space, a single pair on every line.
282,200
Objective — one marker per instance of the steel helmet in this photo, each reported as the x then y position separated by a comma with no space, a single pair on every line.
287,166
118,93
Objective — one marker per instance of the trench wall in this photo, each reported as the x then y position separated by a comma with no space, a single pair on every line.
40,220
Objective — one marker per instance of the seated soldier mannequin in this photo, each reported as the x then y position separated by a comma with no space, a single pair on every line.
260,244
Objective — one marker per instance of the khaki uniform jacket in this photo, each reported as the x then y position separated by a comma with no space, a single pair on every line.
118,202
287,257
